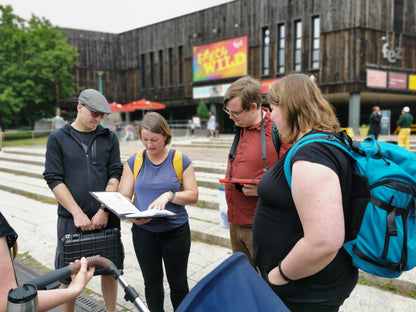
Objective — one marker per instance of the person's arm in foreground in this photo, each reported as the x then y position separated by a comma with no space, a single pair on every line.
317,195
47,298
8,280
54,297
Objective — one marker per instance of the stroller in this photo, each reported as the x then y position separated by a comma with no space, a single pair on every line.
233,286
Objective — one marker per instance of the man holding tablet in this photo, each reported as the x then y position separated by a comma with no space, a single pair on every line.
248,160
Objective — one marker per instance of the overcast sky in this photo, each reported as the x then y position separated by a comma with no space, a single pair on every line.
112,16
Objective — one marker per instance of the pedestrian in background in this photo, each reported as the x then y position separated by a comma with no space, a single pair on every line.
211,125
243,104
298,231
118,127
164,241
57,122
84,157
375,120
128,129
405,122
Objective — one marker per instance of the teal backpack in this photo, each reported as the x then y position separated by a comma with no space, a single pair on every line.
380,220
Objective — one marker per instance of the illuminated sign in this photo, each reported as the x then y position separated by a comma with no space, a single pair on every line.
412,82
397,81
267,84
376,78
221,59
210,91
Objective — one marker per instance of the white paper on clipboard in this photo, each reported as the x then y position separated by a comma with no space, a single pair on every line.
124,209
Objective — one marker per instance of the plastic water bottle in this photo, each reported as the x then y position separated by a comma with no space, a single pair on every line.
223,208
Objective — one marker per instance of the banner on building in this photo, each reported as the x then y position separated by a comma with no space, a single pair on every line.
376,78
266,84
221,59
397,81
412,82
211,91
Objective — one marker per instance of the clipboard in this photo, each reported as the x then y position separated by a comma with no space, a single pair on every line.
124,209
239,181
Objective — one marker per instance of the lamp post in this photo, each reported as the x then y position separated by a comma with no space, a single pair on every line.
100,74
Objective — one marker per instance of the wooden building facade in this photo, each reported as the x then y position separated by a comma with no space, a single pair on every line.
359,51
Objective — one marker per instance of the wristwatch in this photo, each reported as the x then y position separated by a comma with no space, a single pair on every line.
172,196
104,208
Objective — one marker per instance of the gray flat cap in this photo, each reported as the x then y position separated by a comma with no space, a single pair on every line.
95,101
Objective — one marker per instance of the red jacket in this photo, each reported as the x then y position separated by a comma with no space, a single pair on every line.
248,164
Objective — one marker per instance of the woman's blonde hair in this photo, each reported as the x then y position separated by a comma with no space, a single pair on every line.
302,105
154,122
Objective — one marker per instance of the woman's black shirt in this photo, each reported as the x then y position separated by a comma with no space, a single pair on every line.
277,227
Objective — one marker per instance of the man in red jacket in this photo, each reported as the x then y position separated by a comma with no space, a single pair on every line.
242,102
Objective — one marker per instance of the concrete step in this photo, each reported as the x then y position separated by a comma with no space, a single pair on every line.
22,174
204,222
34,168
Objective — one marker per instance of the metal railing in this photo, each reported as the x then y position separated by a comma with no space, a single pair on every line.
32,133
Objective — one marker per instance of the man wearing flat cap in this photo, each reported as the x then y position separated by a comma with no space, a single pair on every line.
84,157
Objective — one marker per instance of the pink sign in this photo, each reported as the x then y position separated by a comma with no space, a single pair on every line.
266,84
376,78
397,81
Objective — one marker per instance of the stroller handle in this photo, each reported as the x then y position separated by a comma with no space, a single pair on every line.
42,281
92,261
130,293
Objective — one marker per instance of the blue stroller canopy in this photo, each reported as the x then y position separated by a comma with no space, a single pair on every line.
233,286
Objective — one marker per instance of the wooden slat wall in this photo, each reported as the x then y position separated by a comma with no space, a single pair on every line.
351,33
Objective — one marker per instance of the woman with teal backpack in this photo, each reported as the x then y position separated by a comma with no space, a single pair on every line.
298,232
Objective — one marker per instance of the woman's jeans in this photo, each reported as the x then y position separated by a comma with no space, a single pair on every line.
173,248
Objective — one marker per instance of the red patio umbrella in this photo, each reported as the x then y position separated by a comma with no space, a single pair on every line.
144,104
119,108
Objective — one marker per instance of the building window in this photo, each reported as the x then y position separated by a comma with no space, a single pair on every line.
160,69
143,71
152,70
281,40
265,52
170,56
180,56
398,16
297,56
316,33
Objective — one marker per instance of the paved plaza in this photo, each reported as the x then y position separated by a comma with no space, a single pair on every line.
35,221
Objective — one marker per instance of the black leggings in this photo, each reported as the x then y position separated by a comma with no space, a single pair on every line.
173,248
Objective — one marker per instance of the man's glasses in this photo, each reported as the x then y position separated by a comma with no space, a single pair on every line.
93,113
235,115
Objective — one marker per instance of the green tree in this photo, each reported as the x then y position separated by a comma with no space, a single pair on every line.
35,64
202,110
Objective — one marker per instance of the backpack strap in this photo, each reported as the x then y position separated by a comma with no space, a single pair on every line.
138,163
276,139
178,166
263,144
317,137
233,148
